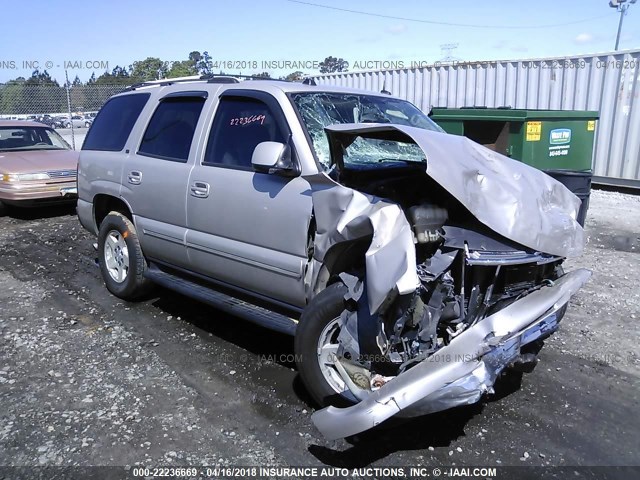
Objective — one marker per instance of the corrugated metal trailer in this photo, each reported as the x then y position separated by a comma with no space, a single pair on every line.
607,82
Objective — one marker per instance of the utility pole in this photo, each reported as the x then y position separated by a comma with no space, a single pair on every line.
621,6
447,50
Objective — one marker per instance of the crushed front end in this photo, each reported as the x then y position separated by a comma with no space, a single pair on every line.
461,279
462,371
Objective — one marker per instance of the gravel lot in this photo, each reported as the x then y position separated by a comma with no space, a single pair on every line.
86,379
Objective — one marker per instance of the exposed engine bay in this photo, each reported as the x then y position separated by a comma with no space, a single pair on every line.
462,270
463,275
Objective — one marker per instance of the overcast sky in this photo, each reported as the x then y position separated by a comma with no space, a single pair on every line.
96,34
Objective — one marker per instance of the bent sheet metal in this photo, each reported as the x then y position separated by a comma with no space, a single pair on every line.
514,200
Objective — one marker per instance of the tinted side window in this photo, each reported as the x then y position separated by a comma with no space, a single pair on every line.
114,122
171,128
240,125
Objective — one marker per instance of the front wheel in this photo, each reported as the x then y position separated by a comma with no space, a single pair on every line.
316,347
122,263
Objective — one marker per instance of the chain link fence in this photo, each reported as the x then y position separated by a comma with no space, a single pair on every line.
68,107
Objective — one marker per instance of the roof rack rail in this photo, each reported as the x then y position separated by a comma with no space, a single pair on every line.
215,77
210,78
164,81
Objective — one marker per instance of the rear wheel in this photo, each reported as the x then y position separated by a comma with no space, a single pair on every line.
3,209
122,263
316,347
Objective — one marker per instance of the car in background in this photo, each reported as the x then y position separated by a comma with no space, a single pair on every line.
37,166
60,121
77,121
88,121
47,120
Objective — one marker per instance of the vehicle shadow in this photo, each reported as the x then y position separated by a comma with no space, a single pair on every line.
254,339
40,212
435,430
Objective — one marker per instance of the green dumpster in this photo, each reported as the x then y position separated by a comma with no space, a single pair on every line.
558,142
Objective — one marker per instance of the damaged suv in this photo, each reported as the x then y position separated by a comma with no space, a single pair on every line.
412,266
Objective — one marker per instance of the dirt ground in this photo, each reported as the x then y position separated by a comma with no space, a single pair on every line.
86,379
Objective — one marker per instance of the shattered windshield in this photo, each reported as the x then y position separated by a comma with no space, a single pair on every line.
321,109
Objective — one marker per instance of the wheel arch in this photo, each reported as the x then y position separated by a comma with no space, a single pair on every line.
104,203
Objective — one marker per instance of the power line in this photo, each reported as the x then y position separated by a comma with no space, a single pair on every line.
449,24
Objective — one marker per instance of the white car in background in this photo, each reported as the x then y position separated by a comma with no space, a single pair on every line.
78,121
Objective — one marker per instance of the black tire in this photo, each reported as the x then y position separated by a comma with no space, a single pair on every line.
322,310
3,209
133,285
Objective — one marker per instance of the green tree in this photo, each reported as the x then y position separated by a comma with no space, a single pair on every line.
35,95
195,57
118,76
296,76
204,63
333,64
11,96
262,75
184,68
98,90
41,78
151,68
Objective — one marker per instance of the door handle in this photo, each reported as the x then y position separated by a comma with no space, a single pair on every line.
200,189
135,177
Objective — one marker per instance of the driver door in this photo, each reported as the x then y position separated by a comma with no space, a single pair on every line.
245,228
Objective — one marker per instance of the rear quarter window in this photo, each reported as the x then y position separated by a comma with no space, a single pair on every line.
114,122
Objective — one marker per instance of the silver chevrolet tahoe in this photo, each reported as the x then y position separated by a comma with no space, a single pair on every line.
412,266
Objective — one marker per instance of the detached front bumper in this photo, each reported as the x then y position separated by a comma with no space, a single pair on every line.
464,370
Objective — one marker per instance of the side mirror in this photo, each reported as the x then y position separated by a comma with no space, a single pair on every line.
274,158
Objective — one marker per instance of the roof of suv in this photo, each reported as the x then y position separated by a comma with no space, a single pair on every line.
188,83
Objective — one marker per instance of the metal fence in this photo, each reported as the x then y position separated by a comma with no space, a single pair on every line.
608,83
21,101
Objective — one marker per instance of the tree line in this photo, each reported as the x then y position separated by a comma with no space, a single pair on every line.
40,93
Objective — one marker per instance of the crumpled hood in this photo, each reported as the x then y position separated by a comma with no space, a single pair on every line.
515,200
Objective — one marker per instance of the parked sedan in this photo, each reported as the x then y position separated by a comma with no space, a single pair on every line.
60,121
77,121
48,120
36,165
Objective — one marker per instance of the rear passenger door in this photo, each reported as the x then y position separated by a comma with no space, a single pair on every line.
155,176
246,228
